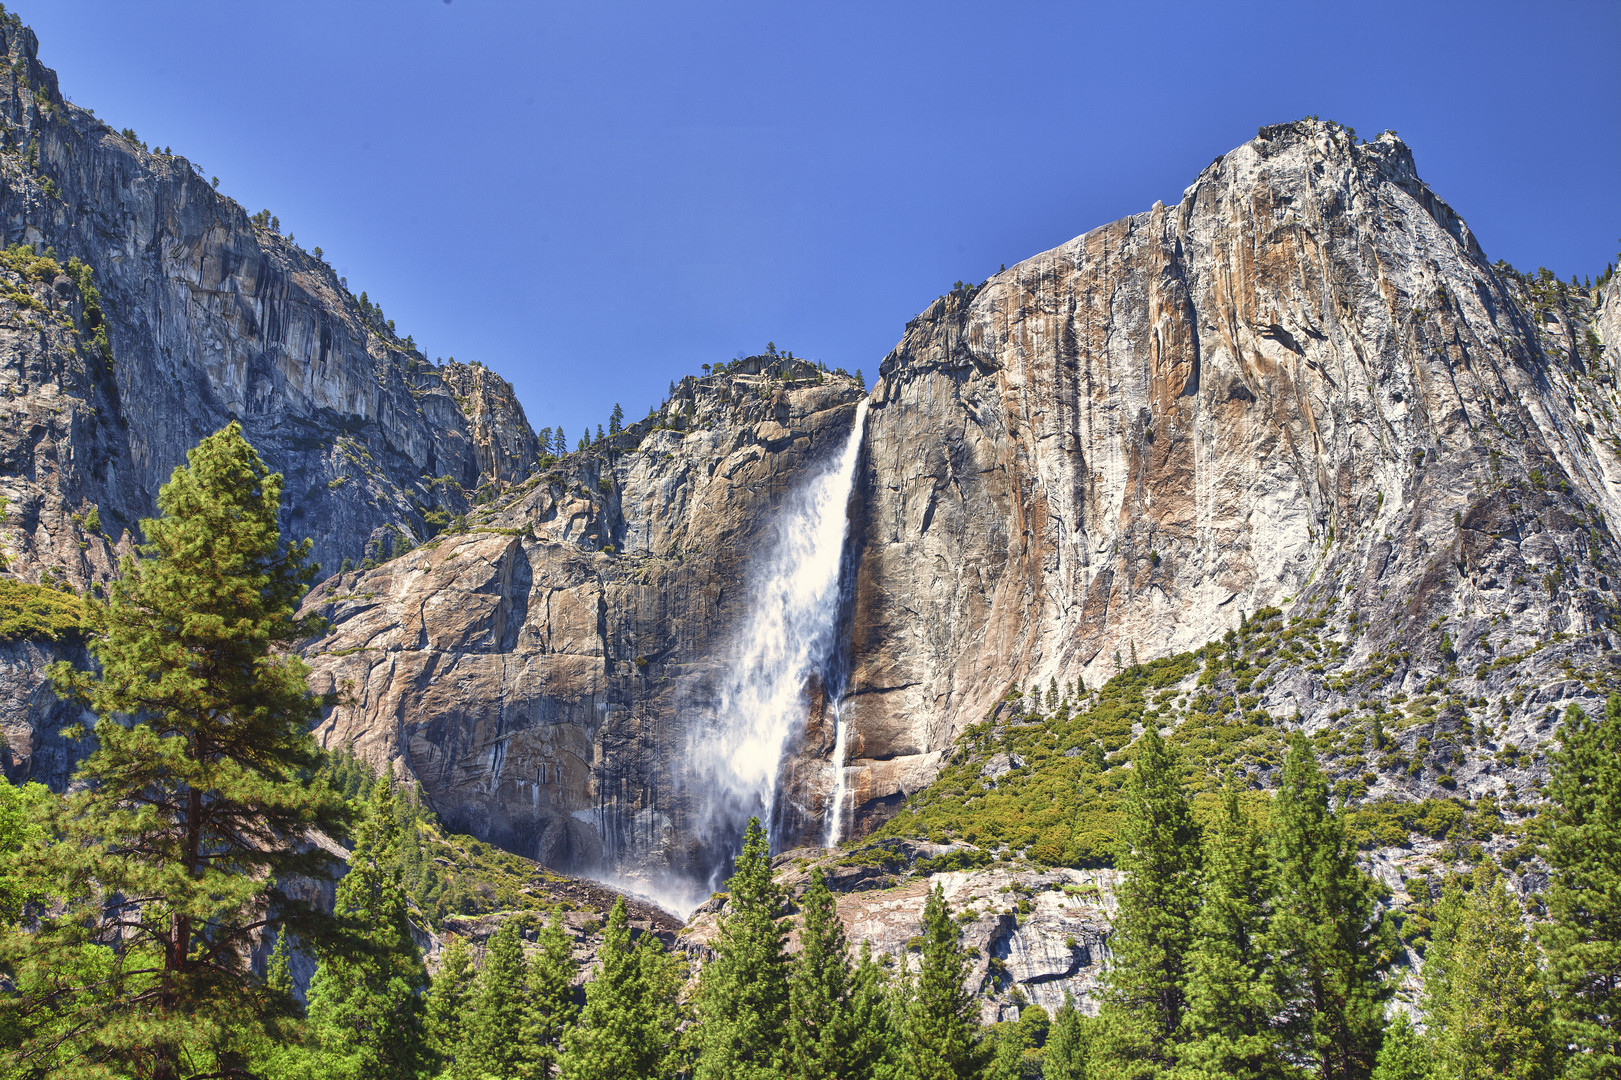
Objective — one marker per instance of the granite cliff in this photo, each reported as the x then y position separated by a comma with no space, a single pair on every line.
1303,387
531,672
201,315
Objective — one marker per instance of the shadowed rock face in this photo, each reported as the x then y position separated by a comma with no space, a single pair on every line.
535,673
1302,385
210,319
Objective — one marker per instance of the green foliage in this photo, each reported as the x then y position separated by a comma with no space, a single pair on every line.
627,1029
445,874
29,264
742,1000
23,811
826,1037
940,1037
1058,809
365,1001
36,612
1232,998
1145,994
448,999
1328,952
492,1044
279,968
1583,850
187,815
1069,1044
1404,1054
1488,1008
1007,1045
549,1008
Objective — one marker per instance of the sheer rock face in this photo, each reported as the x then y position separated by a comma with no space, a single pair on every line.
214,318
210,318
1303,385
530,672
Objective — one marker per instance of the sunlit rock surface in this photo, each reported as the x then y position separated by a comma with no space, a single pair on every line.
1303,385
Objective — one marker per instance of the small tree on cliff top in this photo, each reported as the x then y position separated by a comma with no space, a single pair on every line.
199,796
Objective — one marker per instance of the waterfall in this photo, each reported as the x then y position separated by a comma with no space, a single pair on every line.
835,801
787,639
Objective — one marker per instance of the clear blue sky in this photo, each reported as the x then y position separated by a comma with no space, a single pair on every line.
596,198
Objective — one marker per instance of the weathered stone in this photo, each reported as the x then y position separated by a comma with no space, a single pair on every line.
1302,385
211,318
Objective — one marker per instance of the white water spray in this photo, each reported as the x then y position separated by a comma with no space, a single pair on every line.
835,802
789,636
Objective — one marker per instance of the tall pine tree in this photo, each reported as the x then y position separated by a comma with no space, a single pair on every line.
448,1001
1325,936
743,992
1404,1054
279,968
548,1000
940,1037
627,1029
365,1001
1230,992
492,1046
875,1036
1069,1044
1583,932
1488,1008
1159,856
202,788
823,1040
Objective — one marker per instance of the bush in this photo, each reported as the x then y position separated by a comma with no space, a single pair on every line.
35,612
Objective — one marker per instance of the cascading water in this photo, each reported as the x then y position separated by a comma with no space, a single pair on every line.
835,802
788,639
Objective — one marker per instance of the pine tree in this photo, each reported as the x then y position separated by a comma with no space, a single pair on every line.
743,992
940,1037
448,1001
626,1030
1069,1044
492,1043
1142,1007
186,815
279,968
1583,850
1231,999
365,1004
822,1035
1007,1046
1404,1054
1325,936
874,1035
616,421
1487,1005
549,1000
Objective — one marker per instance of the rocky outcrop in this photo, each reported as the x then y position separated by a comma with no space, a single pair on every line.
530,672
1303,385
207,316
1032,935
